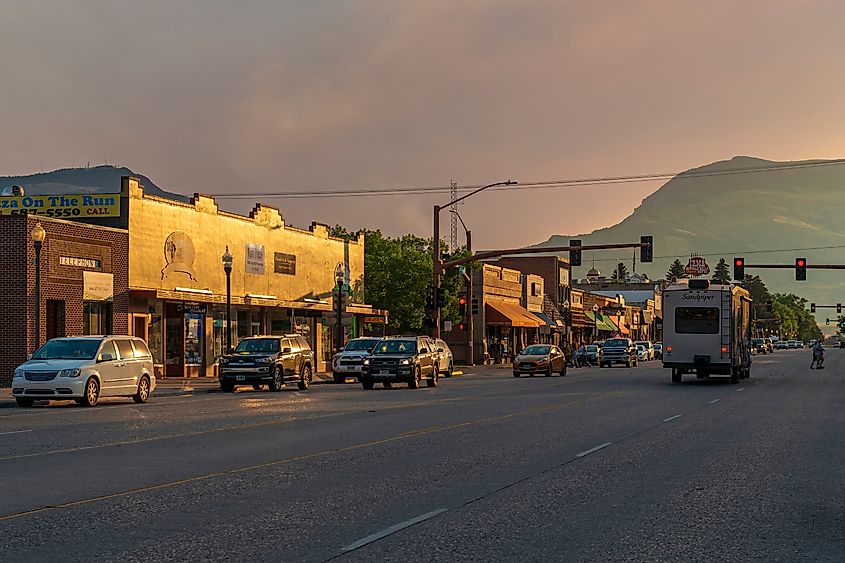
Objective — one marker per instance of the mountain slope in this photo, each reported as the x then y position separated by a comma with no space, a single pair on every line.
715,212
97,179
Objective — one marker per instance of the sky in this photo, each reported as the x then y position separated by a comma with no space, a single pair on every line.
272,96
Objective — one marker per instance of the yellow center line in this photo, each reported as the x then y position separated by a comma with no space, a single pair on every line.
273,463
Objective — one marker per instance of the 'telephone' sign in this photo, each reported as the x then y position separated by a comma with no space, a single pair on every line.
62,206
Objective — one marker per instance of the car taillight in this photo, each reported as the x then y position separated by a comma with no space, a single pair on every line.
668,348
724,349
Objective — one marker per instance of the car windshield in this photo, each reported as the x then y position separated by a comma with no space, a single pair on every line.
658,346
536,350
71,349
396,347
258,345
360,344
592,348
615,343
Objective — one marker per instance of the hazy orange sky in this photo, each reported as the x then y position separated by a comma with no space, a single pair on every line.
275,96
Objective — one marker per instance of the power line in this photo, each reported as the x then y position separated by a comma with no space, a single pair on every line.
732,253
546,184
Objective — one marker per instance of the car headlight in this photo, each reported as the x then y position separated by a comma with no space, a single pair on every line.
263,360
224,361
73,372
366,361
405,362
19,373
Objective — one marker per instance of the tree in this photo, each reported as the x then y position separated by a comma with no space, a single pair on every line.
621,272
722,273
676,270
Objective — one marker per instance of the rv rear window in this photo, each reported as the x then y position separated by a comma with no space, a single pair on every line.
697,320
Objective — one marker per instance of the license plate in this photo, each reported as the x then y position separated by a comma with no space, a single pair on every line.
384,372
526,366
239,378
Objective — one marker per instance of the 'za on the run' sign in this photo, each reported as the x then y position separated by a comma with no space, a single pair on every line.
62,206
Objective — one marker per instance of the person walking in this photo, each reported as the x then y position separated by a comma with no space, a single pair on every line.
818,356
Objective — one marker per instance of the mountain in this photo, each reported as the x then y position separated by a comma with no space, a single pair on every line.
740,207
97,179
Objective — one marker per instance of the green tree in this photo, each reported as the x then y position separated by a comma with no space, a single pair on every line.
722,273
676,270
621,272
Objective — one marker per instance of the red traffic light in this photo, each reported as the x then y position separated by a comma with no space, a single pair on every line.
739,261
462,300
461,326
800,263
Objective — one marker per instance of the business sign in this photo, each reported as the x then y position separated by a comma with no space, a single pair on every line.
379,320
79,262
255,259
284,263
697,266
62,206
97,286
192,308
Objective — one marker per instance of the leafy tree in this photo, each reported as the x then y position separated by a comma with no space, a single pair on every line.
621,272
722,273
676,270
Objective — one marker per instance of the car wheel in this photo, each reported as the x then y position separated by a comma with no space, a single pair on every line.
143,390
516,374
278,381
92,393
23,402
304,378
338,378
367,383
414,383
256,386
433,381
734,375
677,375
563,370
227,387
451,369
549,370
388,385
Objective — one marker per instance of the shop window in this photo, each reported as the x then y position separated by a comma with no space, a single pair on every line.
243,325
96,317
55,318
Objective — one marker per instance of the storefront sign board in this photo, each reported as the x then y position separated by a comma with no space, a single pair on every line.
97,286
62,206
284,263
255,259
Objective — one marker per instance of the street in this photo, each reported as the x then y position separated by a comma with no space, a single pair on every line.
604,464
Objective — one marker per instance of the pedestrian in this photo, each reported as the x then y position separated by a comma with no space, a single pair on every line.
485,356
818,356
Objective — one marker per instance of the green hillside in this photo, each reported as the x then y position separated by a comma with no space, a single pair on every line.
717,214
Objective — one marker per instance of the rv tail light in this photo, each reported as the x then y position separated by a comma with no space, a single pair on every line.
668,348
724,349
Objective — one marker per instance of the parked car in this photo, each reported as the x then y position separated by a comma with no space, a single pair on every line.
781,345
792,344
619,351
642,353
270,360
658,350
540,358
445,360
408,359
649,348
589,355
85,368
349,361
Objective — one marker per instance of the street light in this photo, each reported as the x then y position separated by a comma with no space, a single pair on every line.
437,266
227,267
470,351
567,322
38,235
595,322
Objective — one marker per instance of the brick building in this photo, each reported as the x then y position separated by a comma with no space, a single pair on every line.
84,284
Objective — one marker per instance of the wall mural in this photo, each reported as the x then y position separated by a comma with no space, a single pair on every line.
179,255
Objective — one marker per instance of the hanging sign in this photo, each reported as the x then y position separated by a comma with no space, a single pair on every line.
697,266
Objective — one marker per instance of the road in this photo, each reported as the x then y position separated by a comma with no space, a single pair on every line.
604,464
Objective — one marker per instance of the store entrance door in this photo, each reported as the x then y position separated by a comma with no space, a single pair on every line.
174,345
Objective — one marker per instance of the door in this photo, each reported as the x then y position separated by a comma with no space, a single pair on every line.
139,327
288,359
107,361
427,350
55,318
174,345
126,368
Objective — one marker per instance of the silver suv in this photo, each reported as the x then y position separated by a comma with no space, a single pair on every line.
85,368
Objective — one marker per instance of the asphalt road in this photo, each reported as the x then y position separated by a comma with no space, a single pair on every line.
604,464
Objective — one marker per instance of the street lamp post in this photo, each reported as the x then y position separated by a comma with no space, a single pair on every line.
436,243
38,235
595,322
568,324
227,267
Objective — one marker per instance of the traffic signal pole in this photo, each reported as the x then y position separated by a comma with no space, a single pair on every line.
470,356
437,270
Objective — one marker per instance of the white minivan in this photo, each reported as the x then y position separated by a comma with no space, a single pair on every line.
85,368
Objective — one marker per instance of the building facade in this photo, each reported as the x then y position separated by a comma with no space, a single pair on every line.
83,286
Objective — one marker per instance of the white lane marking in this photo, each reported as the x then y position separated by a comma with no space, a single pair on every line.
15,432
392,529
713,401
593,450
671,418
740,389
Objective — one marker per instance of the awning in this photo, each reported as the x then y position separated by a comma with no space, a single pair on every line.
601,322
580,319
509,314
545,320
624,329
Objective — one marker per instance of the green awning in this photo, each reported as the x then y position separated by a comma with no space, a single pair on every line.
601,322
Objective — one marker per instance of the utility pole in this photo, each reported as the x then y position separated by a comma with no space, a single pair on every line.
453,209
470,320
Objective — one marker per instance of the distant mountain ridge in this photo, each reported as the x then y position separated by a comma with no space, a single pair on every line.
717,211
94,179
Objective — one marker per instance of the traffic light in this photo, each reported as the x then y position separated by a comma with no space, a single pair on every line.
429,300
462,326
646,252
827,321
812,307
475,305
801,269
575,255
839,308
739,270
462,305
441,297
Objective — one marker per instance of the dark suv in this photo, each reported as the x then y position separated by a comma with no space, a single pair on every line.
270,360
408,359
619,351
